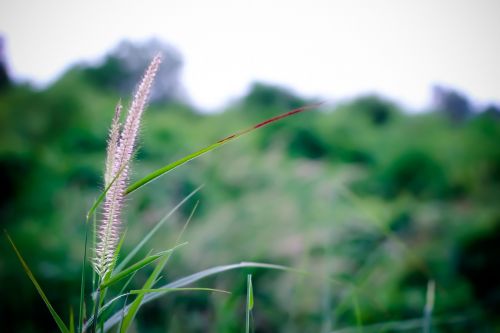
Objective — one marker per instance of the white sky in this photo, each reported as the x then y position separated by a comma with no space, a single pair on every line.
332,49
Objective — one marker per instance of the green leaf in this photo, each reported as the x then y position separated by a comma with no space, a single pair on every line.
137,266
169,167
135,305
62,327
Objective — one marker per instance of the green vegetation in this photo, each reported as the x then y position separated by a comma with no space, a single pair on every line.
372,202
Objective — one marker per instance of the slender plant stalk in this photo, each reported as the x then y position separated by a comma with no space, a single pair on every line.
82,282
96,310
249,305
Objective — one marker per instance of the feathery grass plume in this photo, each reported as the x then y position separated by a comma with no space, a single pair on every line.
114,135
120,150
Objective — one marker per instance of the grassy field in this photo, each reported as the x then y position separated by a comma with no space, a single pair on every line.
370,204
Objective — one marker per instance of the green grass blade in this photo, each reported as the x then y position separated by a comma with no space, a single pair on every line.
166,290
137,266
357,312
136,304
71,321
136,249
62,327
169,167
250,292
249,305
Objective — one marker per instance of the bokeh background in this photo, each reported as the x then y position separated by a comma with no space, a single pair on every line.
392,183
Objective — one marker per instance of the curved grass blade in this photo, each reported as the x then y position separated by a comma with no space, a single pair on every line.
169,167
62,327
166,290
154,230
137,266
115,318
104,308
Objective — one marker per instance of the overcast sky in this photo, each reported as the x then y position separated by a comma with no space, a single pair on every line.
332,49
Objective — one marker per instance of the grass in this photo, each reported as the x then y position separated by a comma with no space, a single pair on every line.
111,301
109,271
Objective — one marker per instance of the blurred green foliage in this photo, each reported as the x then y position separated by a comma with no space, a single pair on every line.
378,198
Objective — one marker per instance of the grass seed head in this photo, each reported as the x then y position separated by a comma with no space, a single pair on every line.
121,145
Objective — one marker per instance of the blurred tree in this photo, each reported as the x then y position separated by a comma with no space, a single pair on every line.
378,110
451,103
305,142
122,68
415,172
492,111
262,96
